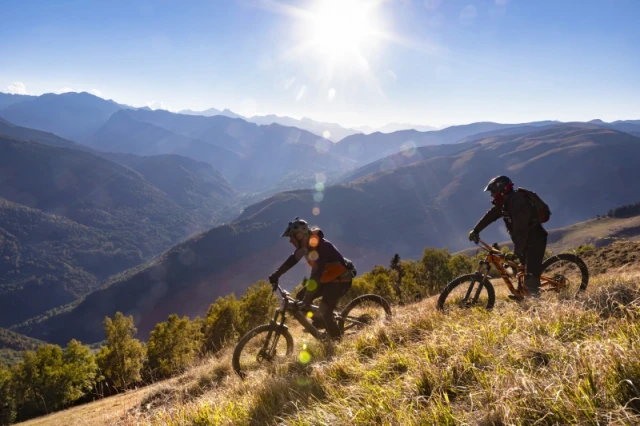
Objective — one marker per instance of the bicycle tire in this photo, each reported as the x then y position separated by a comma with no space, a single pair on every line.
570,258
361,300
491,295
237,352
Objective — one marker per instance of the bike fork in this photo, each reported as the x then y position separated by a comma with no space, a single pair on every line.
477,294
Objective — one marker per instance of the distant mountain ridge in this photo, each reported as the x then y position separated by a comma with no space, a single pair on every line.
7,99
368,148
394,127
74,116
334,132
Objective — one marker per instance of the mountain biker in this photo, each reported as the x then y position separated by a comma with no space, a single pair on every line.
331,273
528,236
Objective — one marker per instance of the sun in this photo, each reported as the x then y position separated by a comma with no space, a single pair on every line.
339,29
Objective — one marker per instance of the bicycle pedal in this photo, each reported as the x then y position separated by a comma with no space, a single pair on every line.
516,298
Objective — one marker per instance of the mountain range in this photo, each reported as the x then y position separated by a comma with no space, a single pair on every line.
89,205
576,168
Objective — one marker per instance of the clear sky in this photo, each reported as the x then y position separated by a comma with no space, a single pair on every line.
350,61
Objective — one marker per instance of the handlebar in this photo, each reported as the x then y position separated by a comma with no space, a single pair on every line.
488,248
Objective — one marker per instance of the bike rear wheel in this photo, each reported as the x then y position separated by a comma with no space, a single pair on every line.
467,291
264,345
568,270
364,311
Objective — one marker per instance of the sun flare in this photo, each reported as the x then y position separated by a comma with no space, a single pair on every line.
342,28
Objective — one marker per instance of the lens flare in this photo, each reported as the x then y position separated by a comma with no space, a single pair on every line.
311,285
304,357
316,211
321,178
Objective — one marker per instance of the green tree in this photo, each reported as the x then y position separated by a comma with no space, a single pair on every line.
460,265
173,346
256,306
412,277
7,403
380,282
80,370
221,322
436,269
122,358
50,379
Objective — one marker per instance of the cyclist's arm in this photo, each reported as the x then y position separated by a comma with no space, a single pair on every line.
290,262
491,216
521,216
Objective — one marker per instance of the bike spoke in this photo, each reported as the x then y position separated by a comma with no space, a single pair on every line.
364,315
258,352
465,292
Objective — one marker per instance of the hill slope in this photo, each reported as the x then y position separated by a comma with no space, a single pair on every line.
70,219
39,136
48,260
193,185
561,362
430,203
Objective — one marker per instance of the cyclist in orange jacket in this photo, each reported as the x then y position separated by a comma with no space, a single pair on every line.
331,273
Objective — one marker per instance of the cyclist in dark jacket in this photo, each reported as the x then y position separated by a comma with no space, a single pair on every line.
331,273
528,236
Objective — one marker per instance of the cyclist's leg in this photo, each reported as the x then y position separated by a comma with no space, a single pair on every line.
332,293
536,245
308,296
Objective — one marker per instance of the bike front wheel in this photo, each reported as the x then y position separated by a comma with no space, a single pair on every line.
467,291
364,311
264,345
565,274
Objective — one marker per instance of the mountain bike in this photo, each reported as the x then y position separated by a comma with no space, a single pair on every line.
272,343
565,274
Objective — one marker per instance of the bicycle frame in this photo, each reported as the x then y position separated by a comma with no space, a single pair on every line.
496,258
288,304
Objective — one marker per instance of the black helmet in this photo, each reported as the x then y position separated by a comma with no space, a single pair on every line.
500,185
295,226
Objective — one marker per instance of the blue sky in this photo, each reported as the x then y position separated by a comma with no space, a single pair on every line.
420,61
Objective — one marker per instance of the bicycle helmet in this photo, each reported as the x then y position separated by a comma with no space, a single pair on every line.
295,226
499,185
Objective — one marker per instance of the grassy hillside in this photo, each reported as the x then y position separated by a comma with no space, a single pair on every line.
552,362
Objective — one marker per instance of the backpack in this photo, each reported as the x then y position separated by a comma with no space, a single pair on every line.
544,213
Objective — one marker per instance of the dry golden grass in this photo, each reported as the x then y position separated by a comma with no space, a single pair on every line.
550,362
